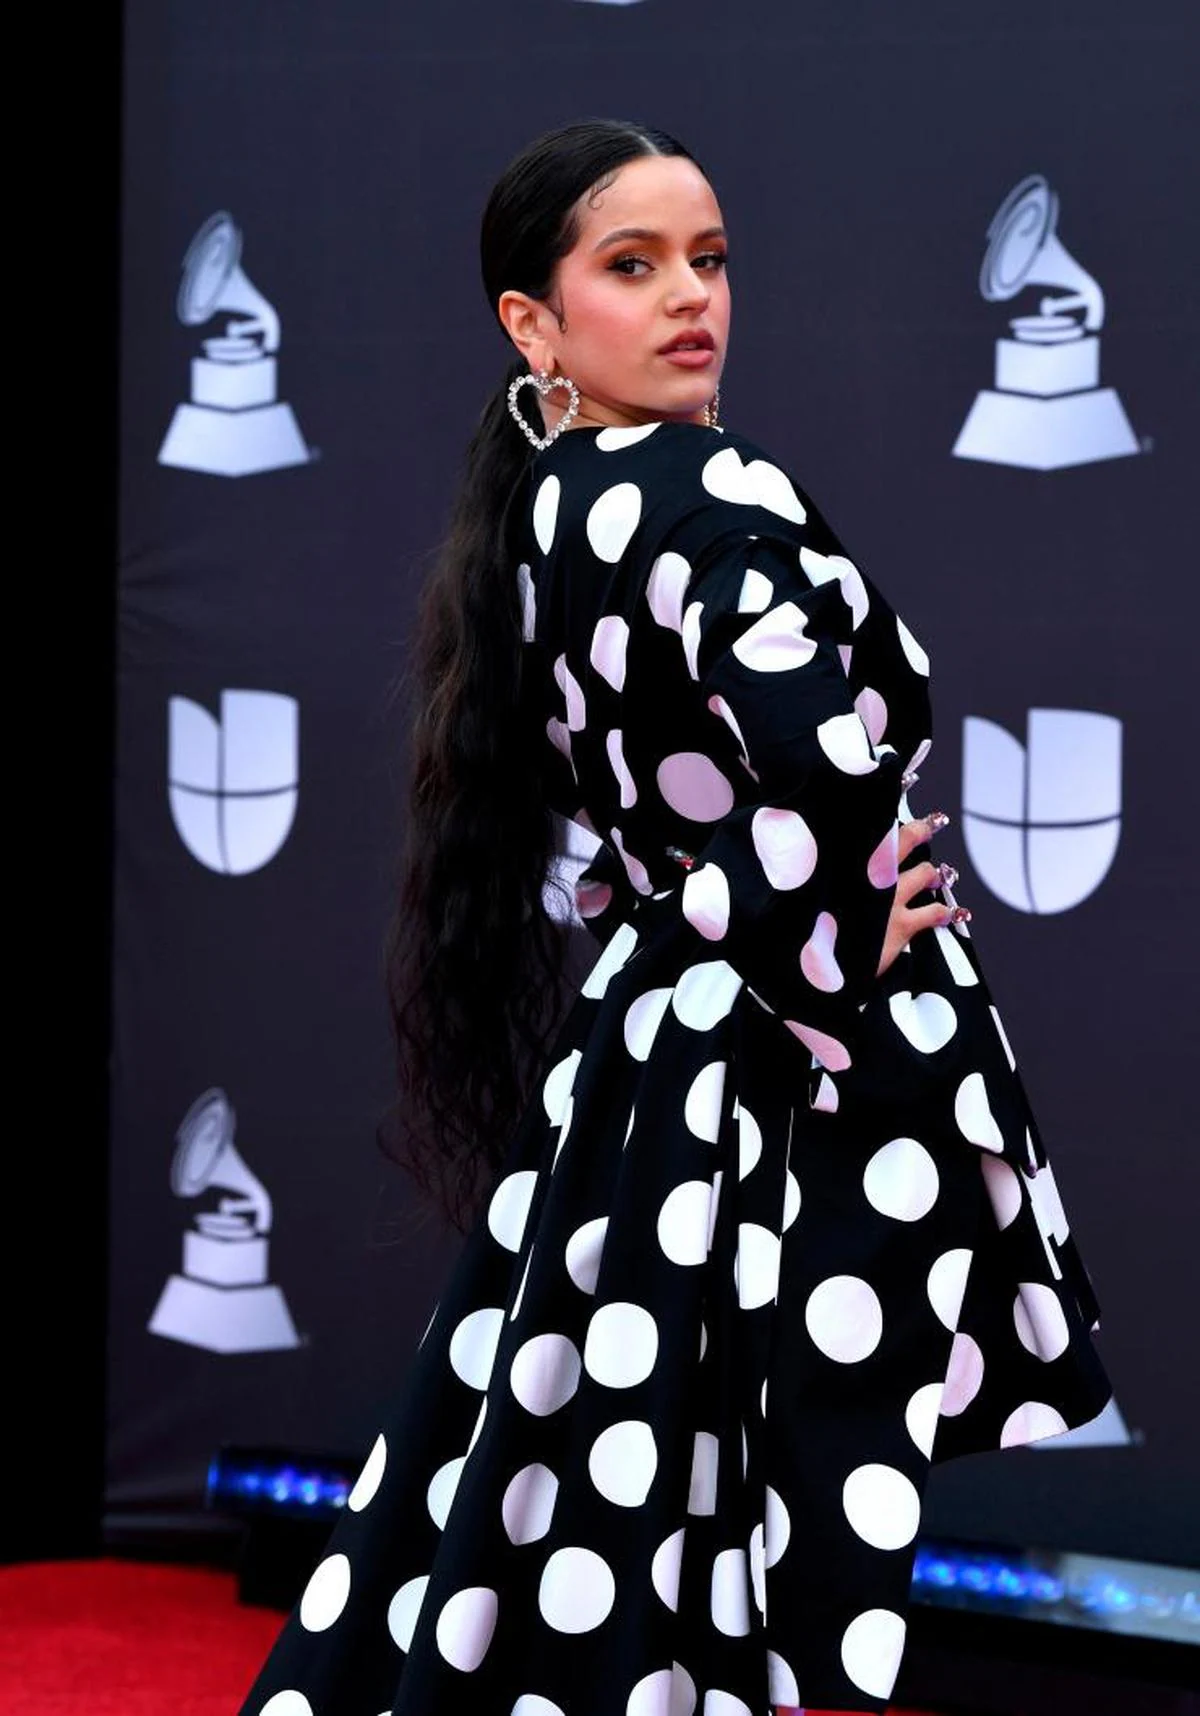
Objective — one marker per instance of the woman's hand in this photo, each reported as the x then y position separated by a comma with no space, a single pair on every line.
907,921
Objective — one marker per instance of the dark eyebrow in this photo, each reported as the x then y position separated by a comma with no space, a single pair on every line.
646,232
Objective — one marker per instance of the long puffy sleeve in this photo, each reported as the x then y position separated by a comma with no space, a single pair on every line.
794,885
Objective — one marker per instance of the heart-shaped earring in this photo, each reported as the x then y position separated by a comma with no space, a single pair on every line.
544,384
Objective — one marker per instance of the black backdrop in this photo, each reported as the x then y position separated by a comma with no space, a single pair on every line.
860,155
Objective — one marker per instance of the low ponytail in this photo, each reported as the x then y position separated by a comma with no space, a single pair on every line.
475,962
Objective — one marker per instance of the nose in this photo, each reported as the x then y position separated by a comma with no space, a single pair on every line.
688,289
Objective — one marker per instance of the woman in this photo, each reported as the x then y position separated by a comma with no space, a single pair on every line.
767,1226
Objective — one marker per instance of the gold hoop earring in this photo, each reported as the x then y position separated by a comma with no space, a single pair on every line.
712,409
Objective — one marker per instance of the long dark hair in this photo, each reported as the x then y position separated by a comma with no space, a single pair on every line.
475,962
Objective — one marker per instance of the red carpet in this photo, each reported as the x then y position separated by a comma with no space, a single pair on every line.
123,1638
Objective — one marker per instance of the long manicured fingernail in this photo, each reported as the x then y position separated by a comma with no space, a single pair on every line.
937,819
948,874
960,915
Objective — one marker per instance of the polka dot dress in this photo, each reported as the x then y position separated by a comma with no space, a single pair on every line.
775,1234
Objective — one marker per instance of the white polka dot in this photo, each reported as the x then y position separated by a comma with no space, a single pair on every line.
529,1703
917,658
872,1646
572,695
287,1704
577,1590
882,1506
831,1054
1000,1031
1003,1189
872,712
614,744
634,868
477,1432
718,1703
755,593
326,1594
585,1248
758,1569
818,961
609,643
665,1569
621,1346
440,1494
705,994
785,846
843,738
776,643
706,901
559,737
690,637
791,1199
823,569
558,1085
947,1283
964,1375
612,520
692,784
623,1462
883,866
1030,1423
528,597
758,483
756,1266
564,1131
1040,1320
781,1681
720,708
465,1627
545,1374
403,1610
615,954
702,1492
961,969
749,1141
473,1345
666,1692
545,512
508,1209
778,1527
516,1304
901,1180
973,1113
683,1223
369,1478
609,441
528,1504
827,1097
921,1416
665,589
643,1019
844,1318
730,1593
926,1020
702,1105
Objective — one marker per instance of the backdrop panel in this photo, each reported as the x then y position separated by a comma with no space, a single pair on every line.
295,404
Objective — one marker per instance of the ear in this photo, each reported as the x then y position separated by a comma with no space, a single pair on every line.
527,323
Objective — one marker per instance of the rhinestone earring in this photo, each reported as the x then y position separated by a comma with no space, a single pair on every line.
712,409
544,383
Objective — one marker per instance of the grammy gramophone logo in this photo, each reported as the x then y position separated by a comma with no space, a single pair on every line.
221,1299
234,425
1047,408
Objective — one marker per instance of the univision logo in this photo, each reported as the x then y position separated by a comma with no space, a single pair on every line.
233,781
1041,821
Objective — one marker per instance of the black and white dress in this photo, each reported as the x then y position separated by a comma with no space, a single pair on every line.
774,1233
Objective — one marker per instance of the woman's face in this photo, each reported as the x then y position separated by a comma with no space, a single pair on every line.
646,272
